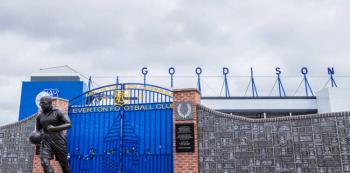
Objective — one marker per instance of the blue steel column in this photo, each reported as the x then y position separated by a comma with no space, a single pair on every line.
280,87
89,84
199,72
254,90
304,71
172,72
121,149
225,71
144,71
331,73
279,81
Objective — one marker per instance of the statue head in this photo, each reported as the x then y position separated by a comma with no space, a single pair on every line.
46,103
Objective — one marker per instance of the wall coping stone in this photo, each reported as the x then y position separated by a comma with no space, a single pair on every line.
186,89
59,98
29,118
286,118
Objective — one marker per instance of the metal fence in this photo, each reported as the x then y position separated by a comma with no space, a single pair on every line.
122,128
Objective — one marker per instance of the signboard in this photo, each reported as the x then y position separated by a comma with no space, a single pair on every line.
184,111
184,137
32,91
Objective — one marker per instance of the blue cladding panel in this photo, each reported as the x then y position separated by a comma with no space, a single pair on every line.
30,90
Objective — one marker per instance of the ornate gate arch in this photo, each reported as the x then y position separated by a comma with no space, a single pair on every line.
121,128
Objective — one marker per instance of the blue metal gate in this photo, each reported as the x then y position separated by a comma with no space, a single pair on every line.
122,128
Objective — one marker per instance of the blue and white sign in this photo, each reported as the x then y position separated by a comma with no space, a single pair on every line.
39,96
46,92
32,91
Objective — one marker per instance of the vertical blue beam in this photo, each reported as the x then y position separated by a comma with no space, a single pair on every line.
172,72
281,88
144,71
279,81
121,135
89,98
304,71
254,90
225,71
89,84
199,72
117,81
331,73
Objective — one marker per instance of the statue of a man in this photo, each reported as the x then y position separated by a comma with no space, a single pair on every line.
52,122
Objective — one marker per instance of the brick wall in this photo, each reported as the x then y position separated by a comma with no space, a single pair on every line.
186,162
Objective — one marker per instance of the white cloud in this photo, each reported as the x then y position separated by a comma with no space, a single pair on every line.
120,37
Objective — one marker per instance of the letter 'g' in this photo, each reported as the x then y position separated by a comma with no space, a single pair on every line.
144,70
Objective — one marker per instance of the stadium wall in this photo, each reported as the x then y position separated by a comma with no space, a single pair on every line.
305,143
223,142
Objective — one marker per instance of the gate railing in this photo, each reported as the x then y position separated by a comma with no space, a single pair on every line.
121,128
121,94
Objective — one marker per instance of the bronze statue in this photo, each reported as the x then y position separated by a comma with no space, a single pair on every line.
52,122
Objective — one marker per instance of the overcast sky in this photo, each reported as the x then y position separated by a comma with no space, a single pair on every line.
108,38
